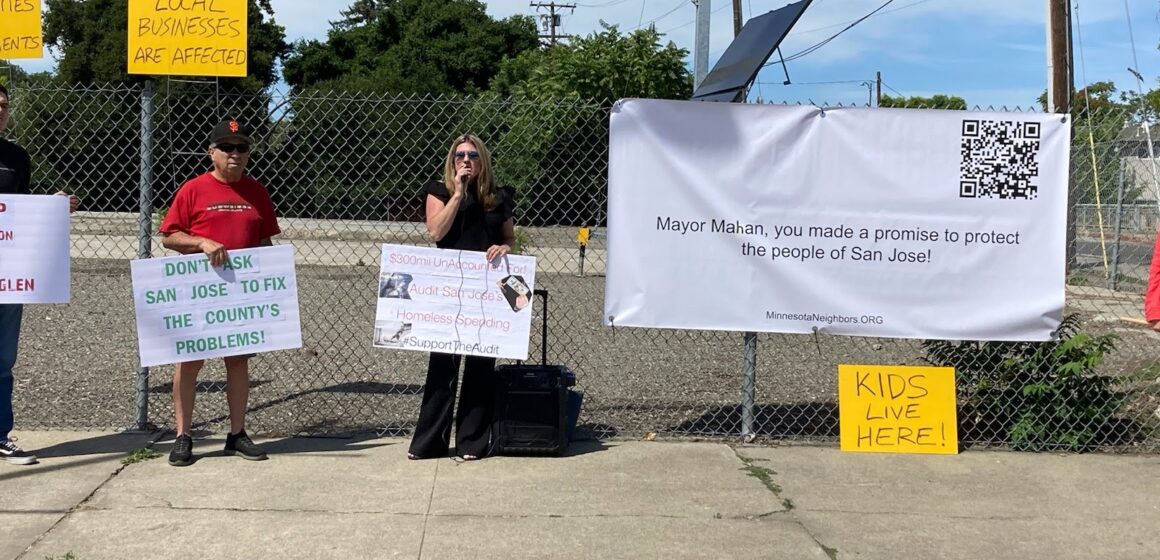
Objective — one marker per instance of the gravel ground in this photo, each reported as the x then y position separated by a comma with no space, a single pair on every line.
78,366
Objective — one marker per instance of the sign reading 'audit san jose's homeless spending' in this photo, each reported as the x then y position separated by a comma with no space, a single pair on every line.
188,310
452,301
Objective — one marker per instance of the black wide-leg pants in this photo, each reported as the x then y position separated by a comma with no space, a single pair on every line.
472,418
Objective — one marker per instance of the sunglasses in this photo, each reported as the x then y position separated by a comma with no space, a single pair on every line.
229,148
470,155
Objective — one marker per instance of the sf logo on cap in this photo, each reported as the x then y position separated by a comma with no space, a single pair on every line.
234,126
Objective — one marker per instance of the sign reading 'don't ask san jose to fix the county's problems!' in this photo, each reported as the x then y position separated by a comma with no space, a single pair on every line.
897,409
34,249
188,37
188,310
21,34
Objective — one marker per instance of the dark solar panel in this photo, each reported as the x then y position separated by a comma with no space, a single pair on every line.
733,96
739,65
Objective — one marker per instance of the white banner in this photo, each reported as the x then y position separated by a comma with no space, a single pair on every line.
869,222
455,302
34,245
188,310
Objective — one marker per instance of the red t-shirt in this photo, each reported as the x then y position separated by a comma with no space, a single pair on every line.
1152,295
237,215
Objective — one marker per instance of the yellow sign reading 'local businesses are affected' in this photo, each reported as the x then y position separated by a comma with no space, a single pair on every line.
897,409
187,37
21,35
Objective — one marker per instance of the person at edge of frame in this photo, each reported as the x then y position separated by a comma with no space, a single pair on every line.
1152,294
468,211
219,211
15,178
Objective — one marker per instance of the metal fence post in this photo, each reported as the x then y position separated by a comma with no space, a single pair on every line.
145,230
749,387
1118,228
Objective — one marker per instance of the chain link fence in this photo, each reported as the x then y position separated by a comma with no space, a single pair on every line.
345,171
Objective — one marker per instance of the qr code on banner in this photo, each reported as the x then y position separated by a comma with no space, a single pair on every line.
1000,159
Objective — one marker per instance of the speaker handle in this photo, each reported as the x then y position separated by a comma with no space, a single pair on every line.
543,328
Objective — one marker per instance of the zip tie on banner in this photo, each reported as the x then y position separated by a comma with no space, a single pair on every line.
817,341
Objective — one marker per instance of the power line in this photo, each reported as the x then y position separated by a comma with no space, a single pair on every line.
849,25
823,28
816,3
680,4
823,83
688,23
823,43
604,5
887,86
552,21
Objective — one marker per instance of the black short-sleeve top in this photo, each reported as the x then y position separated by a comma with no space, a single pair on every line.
15,169
475,228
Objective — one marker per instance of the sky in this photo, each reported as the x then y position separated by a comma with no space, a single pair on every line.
990,52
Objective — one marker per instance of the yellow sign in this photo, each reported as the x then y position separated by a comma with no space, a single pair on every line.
898,409
20,33
582,235
187,37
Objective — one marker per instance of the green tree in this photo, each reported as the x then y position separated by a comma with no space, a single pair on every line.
10,73
553,126
1143,107
603,67
360,13
410,47
938,101
81,124
1098,148
92,36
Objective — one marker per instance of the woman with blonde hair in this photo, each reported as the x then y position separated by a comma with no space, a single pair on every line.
466,210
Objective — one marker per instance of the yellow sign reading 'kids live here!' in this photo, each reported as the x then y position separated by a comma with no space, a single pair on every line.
187,37
20,31
897,409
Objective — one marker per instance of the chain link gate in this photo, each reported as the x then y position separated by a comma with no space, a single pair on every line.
345,170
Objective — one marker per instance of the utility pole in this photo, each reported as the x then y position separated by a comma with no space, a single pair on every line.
701,42
1059,96
878,93
1059,70
550,21
736,17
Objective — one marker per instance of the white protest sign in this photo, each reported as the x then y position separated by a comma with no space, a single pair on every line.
34,245
455,302
869,222
188,310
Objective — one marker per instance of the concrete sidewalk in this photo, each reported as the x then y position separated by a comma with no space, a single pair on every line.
361,498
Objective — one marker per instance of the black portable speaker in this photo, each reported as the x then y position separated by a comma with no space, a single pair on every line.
531,404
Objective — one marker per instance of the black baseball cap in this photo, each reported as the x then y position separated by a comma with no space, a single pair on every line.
229,128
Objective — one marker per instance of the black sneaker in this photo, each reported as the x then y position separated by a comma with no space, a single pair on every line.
10,452
241,444
182,453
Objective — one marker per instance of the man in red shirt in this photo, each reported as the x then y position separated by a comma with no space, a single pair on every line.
216,212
